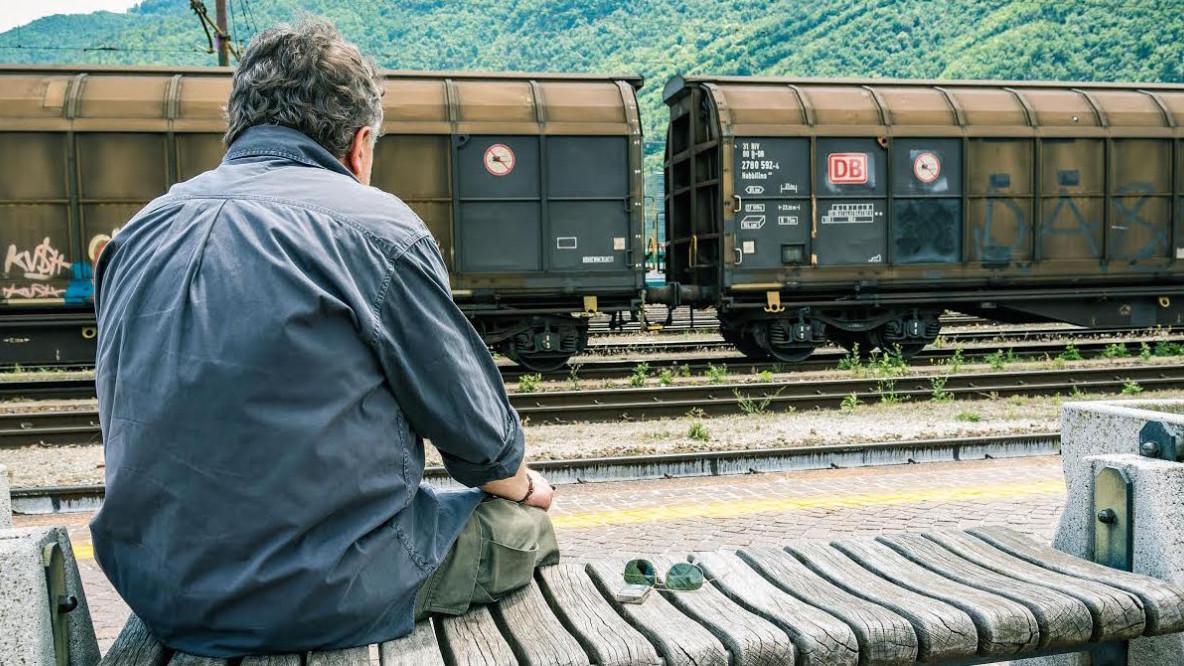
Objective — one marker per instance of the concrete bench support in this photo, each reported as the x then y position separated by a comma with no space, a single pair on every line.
27,638
1102,435
5,500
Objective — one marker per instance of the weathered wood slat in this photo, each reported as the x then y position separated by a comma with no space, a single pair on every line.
418,647
752,640
1118,615
1004,626
135,646
186,659
1064,621
473,639
943,631
1163,603
885,638
358,656
273,660
604,634
679,639
821,638
534,633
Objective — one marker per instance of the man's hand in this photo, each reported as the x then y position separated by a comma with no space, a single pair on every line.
543,492
514,488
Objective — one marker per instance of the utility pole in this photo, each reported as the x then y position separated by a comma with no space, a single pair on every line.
223,42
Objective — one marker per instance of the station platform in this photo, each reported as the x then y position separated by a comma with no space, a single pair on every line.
680,515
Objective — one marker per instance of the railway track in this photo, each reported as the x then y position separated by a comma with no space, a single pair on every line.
604,367
65,499
82,427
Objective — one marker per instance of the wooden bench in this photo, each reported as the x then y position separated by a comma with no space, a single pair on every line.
941,598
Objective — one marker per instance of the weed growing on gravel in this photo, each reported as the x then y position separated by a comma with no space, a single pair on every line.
699,432
1116,350
665,378
939,342
1077,393
1071,353
752,406
696,412
956,361
640,374
573,378
852,360
937,386
886,388
850,402
891,363
529,383
765,376
996,359
717,374
968,417
1131,387
1165,348
1144,352
684,370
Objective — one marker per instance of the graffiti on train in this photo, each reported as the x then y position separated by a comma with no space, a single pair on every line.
44,273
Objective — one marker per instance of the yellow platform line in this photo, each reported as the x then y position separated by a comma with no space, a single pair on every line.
746,507
734,509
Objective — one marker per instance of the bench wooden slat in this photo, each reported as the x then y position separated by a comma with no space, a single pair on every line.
885,638
821,638
606,636
1163,603
418,647
473,639
1117,614
273,660
1064,621
752,640
679,639
358,656
186,659
1004,626
943,631
135,646
534,633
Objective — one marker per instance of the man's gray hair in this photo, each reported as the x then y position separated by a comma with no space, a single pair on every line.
307,78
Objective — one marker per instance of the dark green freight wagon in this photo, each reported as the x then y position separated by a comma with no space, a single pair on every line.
531,184
856,212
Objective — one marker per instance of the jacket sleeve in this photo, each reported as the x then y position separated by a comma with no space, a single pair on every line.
441,372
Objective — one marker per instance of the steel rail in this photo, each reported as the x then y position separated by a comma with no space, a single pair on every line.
64,499
81,427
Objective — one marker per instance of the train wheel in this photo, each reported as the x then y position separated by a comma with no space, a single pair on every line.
541,361
743,344
795,354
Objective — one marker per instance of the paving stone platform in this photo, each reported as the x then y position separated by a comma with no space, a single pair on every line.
684,515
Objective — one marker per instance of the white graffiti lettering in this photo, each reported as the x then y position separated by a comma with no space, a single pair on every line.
43,263
32,291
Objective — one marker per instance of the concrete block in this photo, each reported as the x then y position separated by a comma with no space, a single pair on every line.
5,500
27,639
1106,434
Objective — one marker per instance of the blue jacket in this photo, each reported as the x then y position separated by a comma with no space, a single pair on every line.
274,341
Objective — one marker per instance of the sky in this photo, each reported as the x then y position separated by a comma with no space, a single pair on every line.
20,12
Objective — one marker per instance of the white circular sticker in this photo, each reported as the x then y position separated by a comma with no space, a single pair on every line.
499,159
926,167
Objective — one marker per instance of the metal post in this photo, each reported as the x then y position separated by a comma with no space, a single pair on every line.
222,43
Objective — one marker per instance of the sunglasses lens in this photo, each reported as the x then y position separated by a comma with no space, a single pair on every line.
683,576
639,572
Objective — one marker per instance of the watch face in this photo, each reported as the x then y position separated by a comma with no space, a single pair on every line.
926,167
499,159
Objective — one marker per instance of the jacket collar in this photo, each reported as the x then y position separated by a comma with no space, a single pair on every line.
283,142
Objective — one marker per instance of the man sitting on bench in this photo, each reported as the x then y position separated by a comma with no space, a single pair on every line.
275,339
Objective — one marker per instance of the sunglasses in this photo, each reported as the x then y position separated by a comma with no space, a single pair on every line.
682,577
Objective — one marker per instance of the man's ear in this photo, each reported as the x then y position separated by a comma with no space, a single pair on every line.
355,156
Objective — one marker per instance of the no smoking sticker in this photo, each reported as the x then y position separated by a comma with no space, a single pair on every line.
499,159
926,167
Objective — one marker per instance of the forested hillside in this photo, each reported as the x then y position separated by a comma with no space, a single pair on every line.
1012,39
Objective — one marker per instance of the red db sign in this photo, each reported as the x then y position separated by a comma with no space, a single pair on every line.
847,168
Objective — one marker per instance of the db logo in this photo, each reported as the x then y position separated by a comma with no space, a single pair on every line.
847,168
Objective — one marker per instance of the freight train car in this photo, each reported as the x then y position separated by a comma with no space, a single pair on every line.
531,184
856,211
